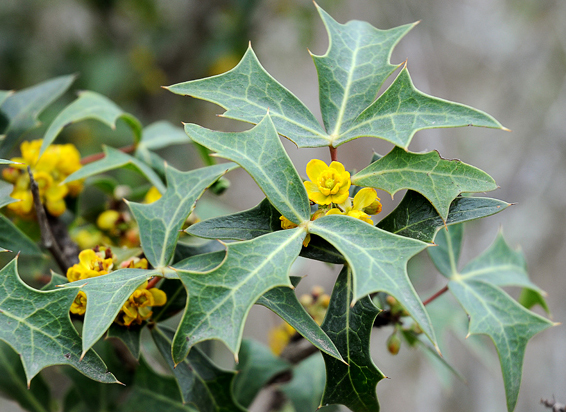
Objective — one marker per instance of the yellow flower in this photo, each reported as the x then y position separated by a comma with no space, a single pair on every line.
286,223
78,307
364,199
91,264
107,219
138,306
152,195
279,337
329,184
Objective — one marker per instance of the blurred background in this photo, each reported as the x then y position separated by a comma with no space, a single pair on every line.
506,57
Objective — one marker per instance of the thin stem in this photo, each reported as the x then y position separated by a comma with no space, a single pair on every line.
98,156
333,154
437,294
153,282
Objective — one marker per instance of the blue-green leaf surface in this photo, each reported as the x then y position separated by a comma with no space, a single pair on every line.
5,192
13,239
260,152
162,134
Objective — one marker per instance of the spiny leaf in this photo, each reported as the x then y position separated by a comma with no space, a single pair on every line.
89,105
402,110
416,218
352,385
176,299
446,253
283,301
353,69
162,134
23,107
12,238
202,383
260,153
437,179
378,260
114,159
4,94
219,300
36,324
530,298
247,92
160,222
130,336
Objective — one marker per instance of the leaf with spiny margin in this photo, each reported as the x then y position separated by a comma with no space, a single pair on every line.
154,392
162,134
6,190
446,253
176,300
530,298
4,94
90,105
13,239
260,153
8,162
36,398
247,92
416,218
353,69
402,110
256,366
352,384
220,300
437,179
114,159
37,325
378,260
202,383
56,281
160,222
283,301
23,107
130,336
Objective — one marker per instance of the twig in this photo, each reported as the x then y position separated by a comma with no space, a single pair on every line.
333,154
437,294
153,282
556,407
97,156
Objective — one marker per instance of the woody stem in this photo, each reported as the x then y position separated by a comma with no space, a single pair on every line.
153,282
437,294
97,156
333,154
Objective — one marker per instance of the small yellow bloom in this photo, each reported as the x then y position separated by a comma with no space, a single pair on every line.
286,223
152,195
91,264
279,337
78,307
107,219
328,184
365,198
138,306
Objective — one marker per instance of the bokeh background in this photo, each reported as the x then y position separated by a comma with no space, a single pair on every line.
507,57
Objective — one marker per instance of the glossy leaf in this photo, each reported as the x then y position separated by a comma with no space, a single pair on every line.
13,239
437,179
349,327
219,300
353,69
202,383
115,159
36,325
283,301
247,92
530,298
89,105
416,218
260,153
162,134
160,222
129,336
402,110
23,107
378,260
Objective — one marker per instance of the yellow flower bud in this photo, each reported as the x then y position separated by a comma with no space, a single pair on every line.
107,219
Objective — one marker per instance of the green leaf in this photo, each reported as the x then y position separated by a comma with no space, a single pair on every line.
446,253
56,281
353,69
130,336
228,292
154,392
160,222
352,384
202,383
256,367
36,398
176,298
23,107
114,159
4,94
378,260
89,105
162,134
260,153
247,92
416,218
13,239
530,298
402,110
437,179
283,301
36,325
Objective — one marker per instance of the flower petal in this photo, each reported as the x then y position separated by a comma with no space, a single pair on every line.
314,168
339,167
159,297
364,198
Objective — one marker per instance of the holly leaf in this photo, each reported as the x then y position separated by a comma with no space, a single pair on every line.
154,392
402,110
247,92
4,94
260,153
219,300
23,107
530,298
202,383
437,179
352,384
257,366
90,105
129,336
378,260
37,325
415,217
160,222
176,299
114,159
492,311
6,190
162,134
353,69
13,239
283,301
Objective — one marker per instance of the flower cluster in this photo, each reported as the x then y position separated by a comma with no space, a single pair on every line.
58,162
100,261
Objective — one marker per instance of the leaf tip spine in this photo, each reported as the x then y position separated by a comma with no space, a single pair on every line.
506,129
82,355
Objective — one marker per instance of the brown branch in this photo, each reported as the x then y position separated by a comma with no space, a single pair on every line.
97,156
153,282
437,294
333,153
